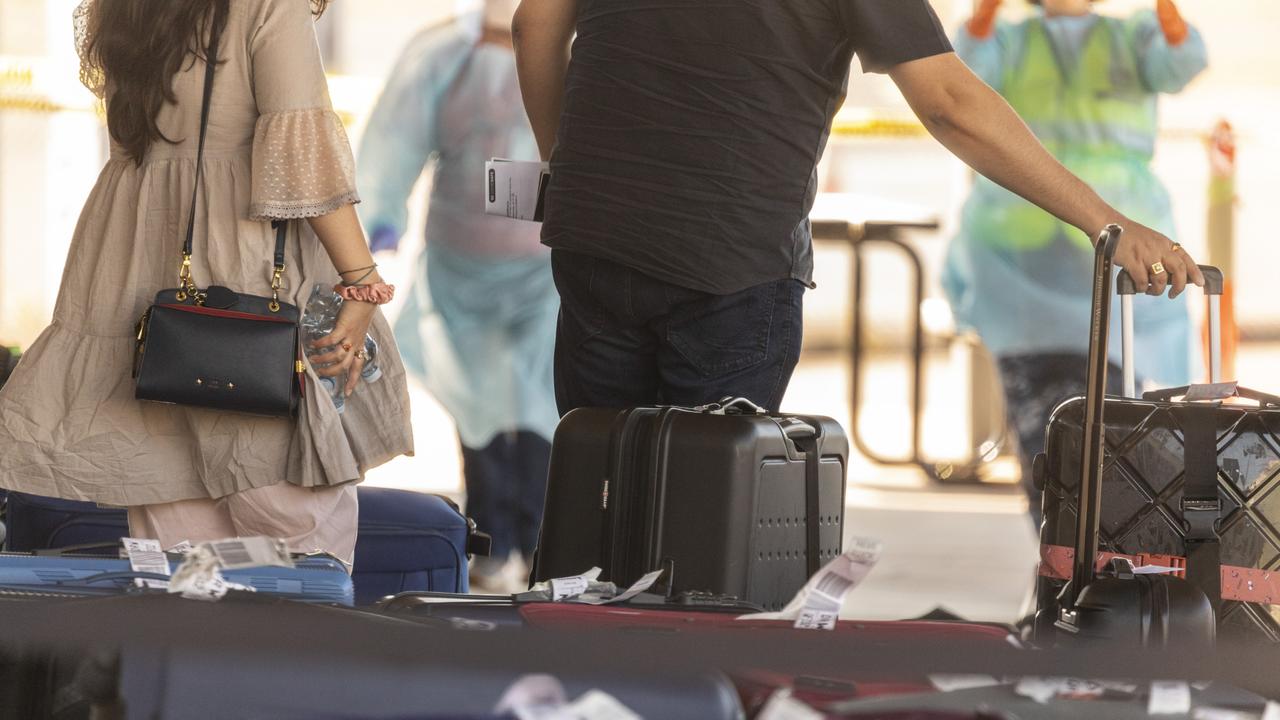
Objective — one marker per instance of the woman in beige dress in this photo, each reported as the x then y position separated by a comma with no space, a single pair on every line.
69,424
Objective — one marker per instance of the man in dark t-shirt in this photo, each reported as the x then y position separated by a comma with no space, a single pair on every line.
684,137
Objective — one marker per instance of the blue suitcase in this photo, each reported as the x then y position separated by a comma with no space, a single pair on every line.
407,541
315,579
411,541
38,523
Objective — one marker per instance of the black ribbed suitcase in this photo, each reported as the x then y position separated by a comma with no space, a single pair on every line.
725,499
1189,485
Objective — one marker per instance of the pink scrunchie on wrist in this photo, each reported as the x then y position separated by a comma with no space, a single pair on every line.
377,293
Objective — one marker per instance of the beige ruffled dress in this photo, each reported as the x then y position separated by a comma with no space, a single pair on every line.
69,424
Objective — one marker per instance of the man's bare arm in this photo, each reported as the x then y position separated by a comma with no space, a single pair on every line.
542,32
980,128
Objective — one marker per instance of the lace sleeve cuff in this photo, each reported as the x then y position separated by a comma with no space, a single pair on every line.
302,165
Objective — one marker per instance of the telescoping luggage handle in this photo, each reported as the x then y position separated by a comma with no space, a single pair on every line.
1088,519
1127,289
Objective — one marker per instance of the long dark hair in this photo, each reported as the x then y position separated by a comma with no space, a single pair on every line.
136,47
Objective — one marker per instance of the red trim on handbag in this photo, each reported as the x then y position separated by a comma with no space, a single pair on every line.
215,312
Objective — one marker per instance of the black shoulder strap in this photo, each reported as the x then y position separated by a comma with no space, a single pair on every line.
211,65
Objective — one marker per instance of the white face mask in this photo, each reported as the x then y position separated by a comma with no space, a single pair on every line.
498,13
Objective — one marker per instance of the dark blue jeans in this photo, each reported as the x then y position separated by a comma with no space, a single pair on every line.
506,482
1034,385
626,339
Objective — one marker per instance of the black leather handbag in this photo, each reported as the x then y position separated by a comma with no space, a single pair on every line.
217,348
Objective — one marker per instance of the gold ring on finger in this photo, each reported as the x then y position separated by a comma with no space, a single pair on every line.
1177,247
346,346
362,354
1157,268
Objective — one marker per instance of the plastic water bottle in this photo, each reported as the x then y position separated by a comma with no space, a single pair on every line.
318,321
371,372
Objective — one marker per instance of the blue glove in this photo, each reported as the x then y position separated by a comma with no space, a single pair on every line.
383,238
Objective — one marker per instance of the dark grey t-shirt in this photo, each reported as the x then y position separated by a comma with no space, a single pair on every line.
692,129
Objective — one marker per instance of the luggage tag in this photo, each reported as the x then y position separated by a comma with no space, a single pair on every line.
1169,697
639,586
146,556
1212,713
199,577
543,697
181,548
1211,392
236,553
595,705
1044,690
532,697
817,605
950,683
782,706
569,587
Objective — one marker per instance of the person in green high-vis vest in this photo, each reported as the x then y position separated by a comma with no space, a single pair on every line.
1087,86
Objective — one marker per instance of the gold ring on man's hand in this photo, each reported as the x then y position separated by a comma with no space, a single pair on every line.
1157,268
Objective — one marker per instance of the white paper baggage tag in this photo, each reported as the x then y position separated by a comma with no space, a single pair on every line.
782,706
817,605
1212,713
1156,570
145,556
533,697
639,586
950,683
181,548
198,577
595,705
236,553
1043,690
568,587
1169,697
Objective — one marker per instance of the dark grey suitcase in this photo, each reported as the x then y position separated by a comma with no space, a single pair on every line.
726,499
1156,611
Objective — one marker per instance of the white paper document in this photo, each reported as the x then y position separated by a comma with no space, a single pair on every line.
515,188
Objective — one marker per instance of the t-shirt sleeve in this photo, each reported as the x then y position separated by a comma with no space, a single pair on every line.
886,33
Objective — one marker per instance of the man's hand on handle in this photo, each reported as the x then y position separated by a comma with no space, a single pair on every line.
980,128
1143,252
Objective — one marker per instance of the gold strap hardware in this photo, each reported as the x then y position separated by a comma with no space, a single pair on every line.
276,283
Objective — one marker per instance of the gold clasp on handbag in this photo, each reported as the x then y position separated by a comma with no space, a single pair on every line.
186,286
276,283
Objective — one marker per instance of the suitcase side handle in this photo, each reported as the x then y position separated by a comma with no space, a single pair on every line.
731,406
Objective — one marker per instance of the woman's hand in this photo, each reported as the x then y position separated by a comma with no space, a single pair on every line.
344,356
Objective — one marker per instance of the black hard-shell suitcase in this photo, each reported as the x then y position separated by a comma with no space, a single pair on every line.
1140,488
726,499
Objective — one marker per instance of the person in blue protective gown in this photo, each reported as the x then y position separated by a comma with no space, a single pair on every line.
1087,85
478,327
